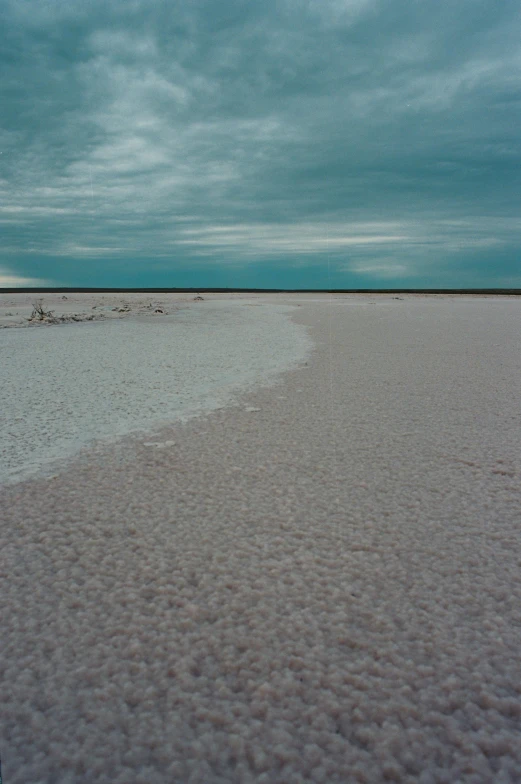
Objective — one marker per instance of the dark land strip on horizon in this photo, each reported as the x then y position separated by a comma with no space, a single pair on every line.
89,290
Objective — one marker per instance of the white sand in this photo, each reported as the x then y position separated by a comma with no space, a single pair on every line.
319,583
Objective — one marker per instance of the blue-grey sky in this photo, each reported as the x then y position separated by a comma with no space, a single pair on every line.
279,143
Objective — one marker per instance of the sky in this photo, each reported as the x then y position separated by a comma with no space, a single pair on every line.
275,144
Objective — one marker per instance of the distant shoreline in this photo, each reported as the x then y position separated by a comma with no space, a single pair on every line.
88,290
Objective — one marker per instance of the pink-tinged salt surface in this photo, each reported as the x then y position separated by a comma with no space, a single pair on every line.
321,583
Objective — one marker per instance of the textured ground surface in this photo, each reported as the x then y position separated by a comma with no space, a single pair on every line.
65,386
16,309
321,583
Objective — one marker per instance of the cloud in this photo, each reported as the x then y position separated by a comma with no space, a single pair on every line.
9,280
210,130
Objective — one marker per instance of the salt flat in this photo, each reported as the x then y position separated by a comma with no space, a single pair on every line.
66,386
318,582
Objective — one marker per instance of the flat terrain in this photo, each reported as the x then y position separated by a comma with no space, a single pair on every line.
318,582
67,385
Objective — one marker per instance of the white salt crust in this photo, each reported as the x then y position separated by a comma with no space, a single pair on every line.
64,387
327,589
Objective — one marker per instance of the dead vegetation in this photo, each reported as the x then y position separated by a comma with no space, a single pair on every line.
39,315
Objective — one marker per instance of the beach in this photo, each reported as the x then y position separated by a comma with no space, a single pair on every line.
310,574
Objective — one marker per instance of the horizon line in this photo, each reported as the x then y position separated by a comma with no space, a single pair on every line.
217,290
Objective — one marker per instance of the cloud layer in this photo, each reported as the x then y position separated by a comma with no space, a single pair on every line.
146,142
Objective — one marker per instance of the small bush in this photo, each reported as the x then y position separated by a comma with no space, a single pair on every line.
39,314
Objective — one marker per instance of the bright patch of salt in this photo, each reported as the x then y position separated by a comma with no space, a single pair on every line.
65,387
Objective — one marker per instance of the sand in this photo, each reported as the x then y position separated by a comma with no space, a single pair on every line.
318,582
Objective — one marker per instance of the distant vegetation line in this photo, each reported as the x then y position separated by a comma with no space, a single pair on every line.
85,290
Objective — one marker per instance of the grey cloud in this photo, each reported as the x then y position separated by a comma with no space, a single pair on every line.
214,129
